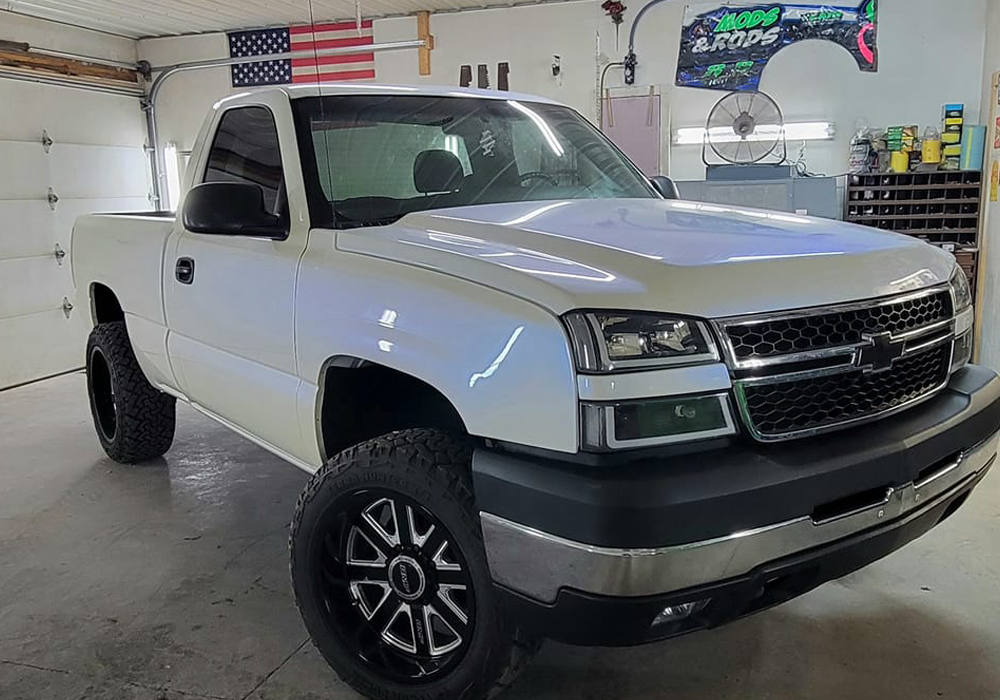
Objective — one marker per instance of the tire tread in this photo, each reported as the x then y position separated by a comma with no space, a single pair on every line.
146,416
434,458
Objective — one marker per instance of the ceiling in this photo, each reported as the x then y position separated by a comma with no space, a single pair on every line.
145,18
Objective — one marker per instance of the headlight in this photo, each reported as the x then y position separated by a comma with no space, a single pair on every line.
961,296
960,291
605,341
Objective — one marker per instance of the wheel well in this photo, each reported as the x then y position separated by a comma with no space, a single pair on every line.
106,308
361,400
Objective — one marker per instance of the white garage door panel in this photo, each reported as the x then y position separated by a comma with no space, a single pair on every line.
96,163
69,115
26,228
61,351
24,172
32,285
91,172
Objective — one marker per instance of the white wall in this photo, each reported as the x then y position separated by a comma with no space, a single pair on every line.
525,37
989,332
930,53
186,97
61,37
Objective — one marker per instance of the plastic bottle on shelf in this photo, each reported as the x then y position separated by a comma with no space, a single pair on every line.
931,151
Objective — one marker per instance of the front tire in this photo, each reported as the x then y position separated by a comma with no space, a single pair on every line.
390,573
135,421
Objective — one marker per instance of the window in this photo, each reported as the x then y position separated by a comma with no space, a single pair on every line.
246,150
371,159
381,157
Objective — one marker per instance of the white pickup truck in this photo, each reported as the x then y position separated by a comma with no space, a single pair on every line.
538,396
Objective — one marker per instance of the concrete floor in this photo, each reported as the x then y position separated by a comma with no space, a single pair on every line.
169,581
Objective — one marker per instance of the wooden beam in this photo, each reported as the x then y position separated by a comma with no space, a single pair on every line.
13,45
424,32
65,66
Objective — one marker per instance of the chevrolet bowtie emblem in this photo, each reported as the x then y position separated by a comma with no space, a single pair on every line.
879,353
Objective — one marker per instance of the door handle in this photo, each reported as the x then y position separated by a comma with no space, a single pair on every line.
184,271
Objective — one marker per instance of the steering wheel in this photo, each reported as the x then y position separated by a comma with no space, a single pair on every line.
539,175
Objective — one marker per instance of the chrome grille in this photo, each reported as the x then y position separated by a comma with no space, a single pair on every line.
816,370
818,402
779,336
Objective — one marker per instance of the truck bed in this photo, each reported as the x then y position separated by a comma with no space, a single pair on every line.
124,252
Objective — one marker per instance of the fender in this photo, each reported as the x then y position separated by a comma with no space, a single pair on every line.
504,363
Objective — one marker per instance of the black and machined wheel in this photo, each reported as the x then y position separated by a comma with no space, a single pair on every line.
390,573
135,421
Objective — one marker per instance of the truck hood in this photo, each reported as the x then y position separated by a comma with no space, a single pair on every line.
691,258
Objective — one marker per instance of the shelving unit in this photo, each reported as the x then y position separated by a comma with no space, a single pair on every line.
941,207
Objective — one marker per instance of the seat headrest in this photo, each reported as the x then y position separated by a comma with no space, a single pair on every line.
437,171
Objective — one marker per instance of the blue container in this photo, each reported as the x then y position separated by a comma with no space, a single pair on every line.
973,148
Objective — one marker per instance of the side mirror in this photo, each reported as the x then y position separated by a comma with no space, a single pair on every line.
665,186
230,209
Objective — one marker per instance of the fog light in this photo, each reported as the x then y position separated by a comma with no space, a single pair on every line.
652,419
656,422
963,351
682,611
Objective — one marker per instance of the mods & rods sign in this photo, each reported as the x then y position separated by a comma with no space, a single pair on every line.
727,48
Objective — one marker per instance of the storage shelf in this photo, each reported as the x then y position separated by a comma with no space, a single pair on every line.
911,202
919,217
896,188
920,205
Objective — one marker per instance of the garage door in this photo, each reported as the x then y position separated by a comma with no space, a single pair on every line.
63,152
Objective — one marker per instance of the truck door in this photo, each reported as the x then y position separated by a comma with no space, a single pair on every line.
230,299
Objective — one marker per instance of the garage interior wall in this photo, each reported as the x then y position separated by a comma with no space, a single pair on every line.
811,81
990,300
95,163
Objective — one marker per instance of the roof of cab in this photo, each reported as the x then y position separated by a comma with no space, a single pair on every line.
332,89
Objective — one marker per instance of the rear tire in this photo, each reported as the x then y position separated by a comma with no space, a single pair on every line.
135,421
388,526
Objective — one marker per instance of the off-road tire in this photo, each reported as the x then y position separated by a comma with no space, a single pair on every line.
135,422
432,468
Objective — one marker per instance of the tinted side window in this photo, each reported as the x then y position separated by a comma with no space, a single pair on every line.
246,150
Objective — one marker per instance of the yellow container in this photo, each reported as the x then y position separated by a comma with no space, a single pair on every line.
931,152
899,162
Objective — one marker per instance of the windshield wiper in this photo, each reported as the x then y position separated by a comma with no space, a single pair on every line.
343,222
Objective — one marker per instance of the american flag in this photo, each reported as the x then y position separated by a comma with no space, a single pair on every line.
340,67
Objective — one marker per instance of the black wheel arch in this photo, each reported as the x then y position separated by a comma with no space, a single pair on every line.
104,304
359,400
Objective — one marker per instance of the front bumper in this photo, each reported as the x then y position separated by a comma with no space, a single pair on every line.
859,495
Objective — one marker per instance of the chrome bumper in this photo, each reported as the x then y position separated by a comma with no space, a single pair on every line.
538,564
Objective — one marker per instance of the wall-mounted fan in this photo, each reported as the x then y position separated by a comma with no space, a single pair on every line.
745,128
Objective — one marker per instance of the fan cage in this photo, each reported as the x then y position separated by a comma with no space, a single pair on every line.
757,117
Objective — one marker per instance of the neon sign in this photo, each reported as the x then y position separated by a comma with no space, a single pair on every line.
728,47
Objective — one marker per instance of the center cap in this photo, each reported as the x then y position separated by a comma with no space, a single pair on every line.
406,578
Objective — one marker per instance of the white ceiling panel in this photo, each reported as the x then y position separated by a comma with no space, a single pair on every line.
150,18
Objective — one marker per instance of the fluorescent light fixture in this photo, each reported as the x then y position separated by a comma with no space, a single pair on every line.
795,131
173,177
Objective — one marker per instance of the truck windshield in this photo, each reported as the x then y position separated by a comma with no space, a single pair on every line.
371,159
